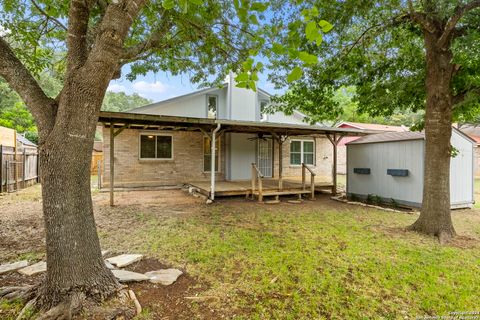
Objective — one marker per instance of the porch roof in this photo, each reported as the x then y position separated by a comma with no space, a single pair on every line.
160,122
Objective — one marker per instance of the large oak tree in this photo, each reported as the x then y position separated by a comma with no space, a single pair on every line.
87,42
399,55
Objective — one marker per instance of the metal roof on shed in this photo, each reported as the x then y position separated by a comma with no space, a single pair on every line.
389,137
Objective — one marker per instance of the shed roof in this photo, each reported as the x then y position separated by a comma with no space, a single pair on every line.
372,126
400,136
389,137
25,141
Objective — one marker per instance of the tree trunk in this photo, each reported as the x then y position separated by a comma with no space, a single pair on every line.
435,218
74,262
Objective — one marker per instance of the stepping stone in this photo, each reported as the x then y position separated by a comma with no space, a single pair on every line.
4,268
105,252
109,265
272,201
34,268
129,276
295,201
124,260
164,276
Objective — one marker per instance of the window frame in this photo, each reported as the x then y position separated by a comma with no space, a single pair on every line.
302,153
208,96
217,154
155,134
263,116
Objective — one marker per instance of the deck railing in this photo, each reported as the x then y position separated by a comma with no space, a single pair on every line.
312,180
257,176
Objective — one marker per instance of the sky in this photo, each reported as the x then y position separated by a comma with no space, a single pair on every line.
161,86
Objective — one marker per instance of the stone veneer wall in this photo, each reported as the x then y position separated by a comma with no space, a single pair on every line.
130,171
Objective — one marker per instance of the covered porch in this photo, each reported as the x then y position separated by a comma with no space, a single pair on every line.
255,183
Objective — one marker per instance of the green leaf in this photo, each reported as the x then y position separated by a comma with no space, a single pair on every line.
277,48
307,58
325,25
196,2
319,39
168,4
311,31
241,77
253,19
252,85
295,74
258,6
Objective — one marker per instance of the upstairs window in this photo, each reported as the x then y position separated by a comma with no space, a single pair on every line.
212,106
302,151
263,112
155,146
207,154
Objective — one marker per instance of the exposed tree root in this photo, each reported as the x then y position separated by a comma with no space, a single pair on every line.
122,304
444,235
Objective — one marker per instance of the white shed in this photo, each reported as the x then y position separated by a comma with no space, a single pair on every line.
390,165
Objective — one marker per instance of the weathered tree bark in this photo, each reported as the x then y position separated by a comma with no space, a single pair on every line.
435,217
74,259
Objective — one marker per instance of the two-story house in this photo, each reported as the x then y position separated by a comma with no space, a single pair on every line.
151,152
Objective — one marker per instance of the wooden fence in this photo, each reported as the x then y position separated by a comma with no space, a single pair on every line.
18,169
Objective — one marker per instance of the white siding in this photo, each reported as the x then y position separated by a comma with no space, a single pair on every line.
461,171
382,156
280,117
244,104
241,153
407,155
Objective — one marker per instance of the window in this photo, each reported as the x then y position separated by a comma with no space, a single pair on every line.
212,104
263,112
302,151
207,154
155,146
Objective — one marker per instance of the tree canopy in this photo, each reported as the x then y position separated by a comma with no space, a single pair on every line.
378,48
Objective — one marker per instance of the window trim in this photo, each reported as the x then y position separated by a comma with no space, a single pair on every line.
263,116
218,153
302,152
146,133
207,96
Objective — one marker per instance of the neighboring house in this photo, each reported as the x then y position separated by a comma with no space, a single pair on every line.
342,150
391,166
170,142
18,161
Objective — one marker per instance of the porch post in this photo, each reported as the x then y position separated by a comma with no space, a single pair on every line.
280,163
212,162
112,167
335,141
334,169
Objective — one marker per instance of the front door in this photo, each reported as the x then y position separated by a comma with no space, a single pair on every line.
264,157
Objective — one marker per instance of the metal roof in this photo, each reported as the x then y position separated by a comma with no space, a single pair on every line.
159,122
389,137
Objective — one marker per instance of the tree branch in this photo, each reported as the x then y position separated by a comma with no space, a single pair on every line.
460,97
420,18
452,22
21,80
154,41
78,15
46,15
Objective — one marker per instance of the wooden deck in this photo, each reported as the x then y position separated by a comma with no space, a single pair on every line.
244,187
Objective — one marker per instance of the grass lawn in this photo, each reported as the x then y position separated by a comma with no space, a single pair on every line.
317,260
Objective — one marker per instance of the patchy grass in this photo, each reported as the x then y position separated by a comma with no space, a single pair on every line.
317,260
315,263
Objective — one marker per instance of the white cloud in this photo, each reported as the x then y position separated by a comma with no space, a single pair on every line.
115,87
150,87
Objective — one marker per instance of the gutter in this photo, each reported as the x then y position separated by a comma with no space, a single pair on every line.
212,162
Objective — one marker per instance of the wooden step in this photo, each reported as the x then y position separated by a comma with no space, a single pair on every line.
282,193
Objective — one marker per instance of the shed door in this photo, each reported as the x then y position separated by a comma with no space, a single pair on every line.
264,157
